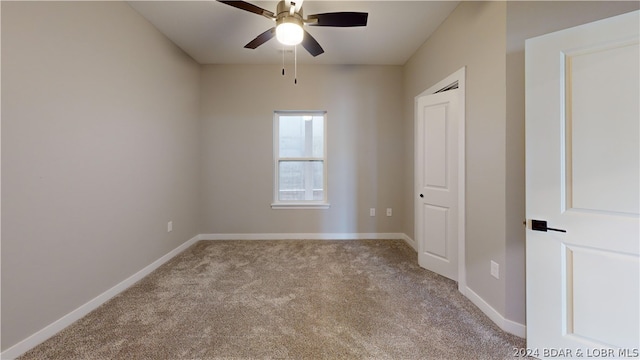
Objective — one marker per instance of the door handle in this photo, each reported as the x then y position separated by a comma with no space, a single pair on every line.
421,195
541,225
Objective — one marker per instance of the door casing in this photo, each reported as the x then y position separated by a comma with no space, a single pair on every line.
459,76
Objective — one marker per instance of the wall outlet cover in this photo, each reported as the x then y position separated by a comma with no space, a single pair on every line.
495,269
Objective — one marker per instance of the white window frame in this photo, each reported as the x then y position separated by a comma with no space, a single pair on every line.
299,204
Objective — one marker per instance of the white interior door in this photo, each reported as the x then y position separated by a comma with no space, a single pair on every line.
582,165
436,179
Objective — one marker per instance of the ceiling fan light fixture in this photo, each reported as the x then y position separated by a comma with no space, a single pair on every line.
289,32
290,20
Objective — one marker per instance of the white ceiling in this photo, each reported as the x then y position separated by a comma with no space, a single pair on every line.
214,33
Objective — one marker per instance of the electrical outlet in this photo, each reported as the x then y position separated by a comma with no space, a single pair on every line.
389,212
495,269
170,226
372,212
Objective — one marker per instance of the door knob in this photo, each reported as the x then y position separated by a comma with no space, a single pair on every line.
541,225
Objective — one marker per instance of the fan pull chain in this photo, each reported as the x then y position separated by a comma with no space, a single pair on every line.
295,64
283,50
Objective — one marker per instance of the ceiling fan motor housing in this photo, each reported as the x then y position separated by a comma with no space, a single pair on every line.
286,14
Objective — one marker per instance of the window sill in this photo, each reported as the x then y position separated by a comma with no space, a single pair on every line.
300,206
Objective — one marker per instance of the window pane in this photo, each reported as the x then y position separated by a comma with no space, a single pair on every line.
291,181
318,180
301,180
292,135
318,136
301,136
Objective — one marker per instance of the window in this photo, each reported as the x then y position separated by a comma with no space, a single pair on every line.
300,160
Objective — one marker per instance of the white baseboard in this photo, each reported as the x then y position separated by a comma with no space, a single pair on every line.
55,327
304,236
507,325
410,242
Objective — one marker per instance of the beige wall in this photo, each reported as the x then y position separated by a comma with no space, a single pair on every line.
473,36
365,141
99,151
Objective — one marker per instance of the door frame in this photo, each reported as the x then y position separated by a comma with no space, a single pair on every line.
457,77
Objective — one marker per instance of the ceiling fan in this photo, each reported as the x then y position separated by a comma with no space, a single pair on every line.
289,23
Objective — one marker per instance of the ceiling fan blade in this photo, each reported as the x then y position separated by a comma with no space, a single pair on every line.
249,7
339,19
311,45
261,39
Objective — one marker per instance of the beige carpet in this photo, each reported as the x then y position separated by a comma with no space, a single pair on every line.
365,299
